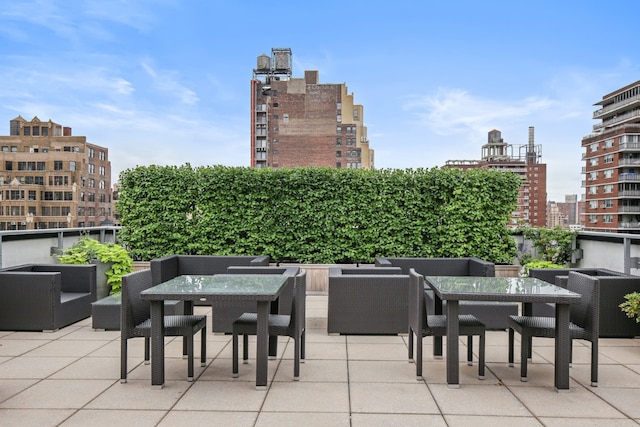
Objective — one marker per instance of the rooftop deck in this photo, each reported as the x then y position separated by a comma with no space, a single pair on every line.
71,377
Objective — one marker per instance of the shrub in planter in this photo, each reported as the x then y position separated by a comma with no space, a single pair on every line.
90,251
631,306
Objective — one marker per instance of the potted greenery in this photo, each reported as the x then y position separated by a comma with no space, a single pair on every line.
631,306
113,262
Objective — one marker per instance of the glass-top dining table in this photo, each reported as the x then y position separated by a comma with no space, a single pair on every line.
217,289
526,290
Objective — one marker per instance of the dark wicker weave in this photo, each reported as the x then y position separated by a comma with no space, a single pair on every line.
494,315
291,325
584,323
136,322
224,317
45,297
170,266
422,325
365,300
614,285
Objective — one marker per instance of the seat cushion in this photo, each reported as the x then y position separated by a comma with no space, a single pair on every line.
70,296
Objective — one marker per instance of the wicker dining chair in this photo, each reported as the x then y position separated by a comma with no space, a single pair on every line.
291,325
584,321
136,322
422,325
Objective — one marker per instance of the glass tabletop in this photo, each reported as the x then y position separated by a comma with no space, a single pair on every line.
497,286
220,284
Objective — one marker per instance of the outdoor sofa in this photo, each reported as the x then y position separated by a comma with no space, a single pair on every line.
495,315
367,300
45,297
614,285
170,266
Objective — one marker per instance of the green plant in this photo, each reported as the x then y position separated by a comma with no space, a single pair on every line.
551,244
87,250
536,263
631,306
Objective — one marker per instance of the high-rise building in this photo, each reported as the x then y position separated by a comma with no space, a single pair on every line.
51,179
612,164
531,208
302,122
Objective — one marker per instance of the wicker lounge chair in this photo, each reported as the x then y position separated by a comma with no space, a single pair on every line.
291,325
45,297
584,324
136,322
421,324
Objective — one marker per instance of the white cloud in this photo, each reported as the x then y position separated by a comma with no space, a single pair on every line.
167,82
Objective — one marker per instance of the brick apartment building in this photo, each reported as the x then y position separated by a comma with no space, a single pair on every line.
612,164
532,196
301,122
51,179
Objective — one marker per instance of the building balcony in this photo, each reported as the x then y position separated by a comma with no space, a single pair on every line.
610,110
628,209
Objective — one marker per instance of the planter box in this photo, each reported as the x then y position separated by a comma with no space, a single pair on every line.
503,270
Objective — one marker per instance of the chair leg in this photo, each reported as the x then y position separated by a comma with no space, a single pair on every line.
147,350
525,350
470,350
302,345
190,357
511,343
594,363
235,355
203,347
481,356
245,349
185,347
410,337
123,360
418,356
296,359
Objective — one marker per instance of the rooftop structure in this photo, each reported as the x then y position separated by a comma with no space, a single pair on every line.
52,179
302,122
499,155
612,163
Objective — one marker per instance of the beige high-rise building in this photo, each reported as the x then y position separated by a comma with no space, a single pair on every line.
302,122
51,179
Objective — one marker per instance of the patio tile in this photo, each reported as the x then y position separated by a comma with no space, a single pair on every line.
15,347
399,420
326,351
61,348
34,417
10,387
377,352
608,376
586,422
577,403
390,398
33,367
93,368
110,418
624,400
92,335
381,371
622,354
492,421
138,394
58,394
307,397
307,419
314,370
222,396
472,399
179,418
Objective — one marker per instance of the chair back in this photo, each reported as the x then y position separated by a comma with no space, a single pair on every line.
417,306
585,314
134,310
298,302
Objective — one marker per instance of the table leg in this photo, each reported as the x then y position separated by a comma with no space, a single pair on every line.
157,344
262,337
188,309
453,325
562,348
437,341
273,340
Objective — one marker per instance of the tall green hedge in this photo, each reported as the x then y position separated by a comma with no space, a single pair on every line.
317,215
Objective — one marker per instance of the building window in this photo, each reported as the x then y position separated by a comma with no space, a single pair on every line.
593,176
608,158
339,141
27,130
607,188
608,143
593,147
339,118
338,165
92,168
45,131
72,166
339,129
593,189
285,118
8,165
57,165
338,153
608,173
607,219
103,155
593,204
91,153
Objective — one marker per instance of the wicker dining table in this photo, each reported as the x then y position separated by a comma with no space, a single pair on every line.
525,290
218,289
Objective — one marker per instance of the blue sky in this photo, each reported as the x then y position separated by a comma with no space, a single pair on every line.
167,82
